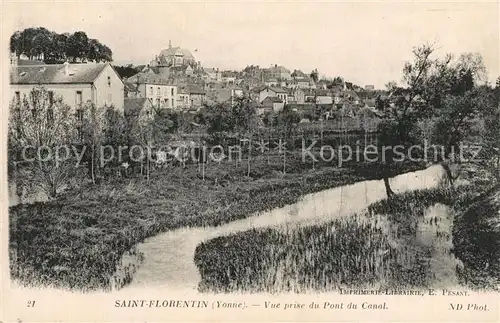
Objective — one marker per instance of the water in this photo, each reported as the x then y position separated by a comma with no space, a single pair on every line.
168,257
434,233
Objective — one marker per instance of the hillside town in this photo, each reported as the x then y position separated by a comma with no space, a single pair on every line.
174,80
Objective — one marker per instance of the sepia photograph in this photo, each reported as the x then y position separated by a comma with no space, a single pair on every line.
251,160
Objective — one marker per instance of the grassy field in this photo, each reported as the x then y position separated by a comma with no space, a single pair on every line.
345,252
77,241
360,250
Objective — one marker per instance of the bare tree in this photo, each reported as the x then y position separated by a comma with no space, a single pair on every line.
92,135
41,130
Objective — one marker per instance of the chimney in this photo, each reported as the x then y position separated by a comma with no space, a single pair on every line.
169,44
66,68
13,60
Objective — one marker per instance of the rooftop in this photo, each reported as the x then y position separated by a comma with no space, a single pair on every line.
176,51
273,99
55,73
134,105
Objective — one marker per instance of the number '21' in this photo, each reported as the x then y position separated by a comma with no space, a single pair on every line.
31,304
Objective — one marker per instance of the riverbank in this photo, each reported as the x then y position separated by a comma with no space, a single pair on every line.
77,241
477,239
401,242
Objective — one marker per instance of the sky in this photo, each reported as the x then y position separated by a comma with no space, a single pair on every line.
366,43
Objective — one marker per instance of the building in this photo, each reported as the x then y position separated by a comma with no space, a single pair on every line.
272,82
159,88
370,87
197,96
180,70
229,79
323,96
299,95
273,103
75,83
302,83
183,101
279,73
227,95
352,96
309,96
273,92
174,56
300,80
162,94
141,108
130,90
213,74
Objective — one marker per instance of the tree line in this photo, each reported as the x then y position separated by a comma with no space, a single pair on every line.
445,101
53,48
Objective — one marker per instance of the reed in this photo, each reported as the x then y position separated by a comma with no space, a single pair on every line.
376,249
78,240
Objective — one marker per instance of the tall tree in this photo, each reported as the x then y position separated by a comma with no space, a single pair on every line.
245,116
78,46
92,136
52,47
314,75
489,158
41,126
456,102
408,107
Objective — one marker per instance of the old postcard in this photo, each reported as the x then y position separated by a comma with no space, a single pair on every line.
250,161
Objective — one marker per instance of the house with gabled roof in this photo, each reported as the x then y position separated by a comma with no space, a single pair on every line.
197,95
77,84
131,90
278,73
159,88
273,103
273,91
139,109
212,74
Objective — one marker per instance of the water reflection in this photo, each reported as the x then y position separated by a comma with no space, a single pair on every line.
168,257
434,233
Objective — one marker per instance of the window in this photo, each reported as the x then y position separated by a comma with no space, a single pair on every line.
158,102
18,96
78,98
79,119
110,98
109,81
158,91
150,91
172,92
